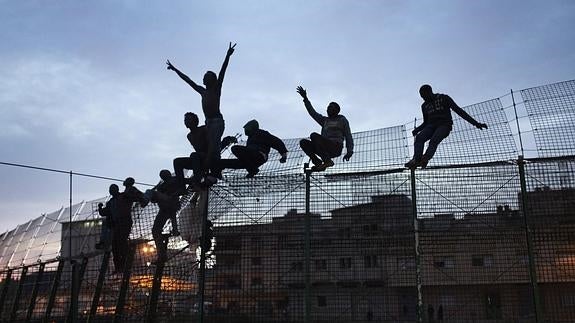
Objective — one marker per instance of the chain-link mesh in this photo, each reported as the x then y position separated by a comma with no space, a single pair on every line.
477,237
552,116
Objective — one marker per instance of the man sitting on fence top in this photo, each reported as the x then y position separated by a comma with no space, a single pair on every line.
436,126
255,152
334,130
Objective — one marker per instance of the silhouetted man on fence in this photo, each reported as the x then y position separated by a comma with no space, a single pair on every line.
211,106
108,212
255,152
198,138
334,130
122,222
166,194
436,126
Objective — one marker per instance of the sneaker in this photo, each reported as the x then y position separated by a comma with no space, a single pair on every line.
210,180
412,164
423,162
322,167
252,173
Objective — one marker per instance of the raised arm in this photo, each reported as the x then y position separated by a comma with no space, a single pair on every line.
348,140
184,77
453,106
314,114
225,64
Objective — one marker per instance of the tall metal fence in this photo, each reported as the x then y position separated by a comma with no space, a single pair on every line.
485,234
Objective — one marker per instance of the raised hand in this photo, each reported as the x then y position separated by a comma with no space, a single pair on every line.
231,49
348,156
301,92
170,66
481,126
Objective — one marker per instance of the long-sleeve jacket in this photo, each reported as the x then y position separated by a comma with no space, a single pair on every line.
334,128
263,141
438,112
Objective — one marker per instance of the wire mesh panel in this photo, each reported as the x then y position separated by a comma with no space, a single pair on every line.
472,240
551,111
550,206
11,294
362,248
467,144
252,268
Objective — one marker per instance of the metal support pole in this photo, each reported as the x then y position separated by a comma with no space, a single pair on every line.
307,246
99,284
54,290
18,293
32,303
419,307
202,273
5,288
77,277
73,309
155,293
125,284
529,238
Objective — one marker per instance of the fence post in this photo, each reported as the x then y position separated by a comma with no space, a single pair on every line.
125,284
99,284
18,293
156,286
5,287
529,238
307,246
203,244
419,307
32,303
54,290
73,310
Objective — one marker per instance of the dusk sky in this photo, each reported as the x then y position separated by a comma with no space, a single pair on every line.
84,85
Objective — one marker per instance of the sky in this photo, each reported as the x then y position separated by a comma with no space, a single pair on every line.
84,85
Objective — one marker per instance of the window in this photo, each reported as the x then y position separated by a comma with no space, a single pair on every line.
297,267
482,260
321,301
444,262
256,261
321,264
257,243
405,263
345,233
257,282
370,261
568,299
283,241
493,305
345,263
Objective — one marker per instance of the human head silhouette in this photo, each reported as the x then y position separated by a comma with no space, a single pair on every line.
165,175
129,182
333,109
210,79
426,92
191,120
250,127
114,190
